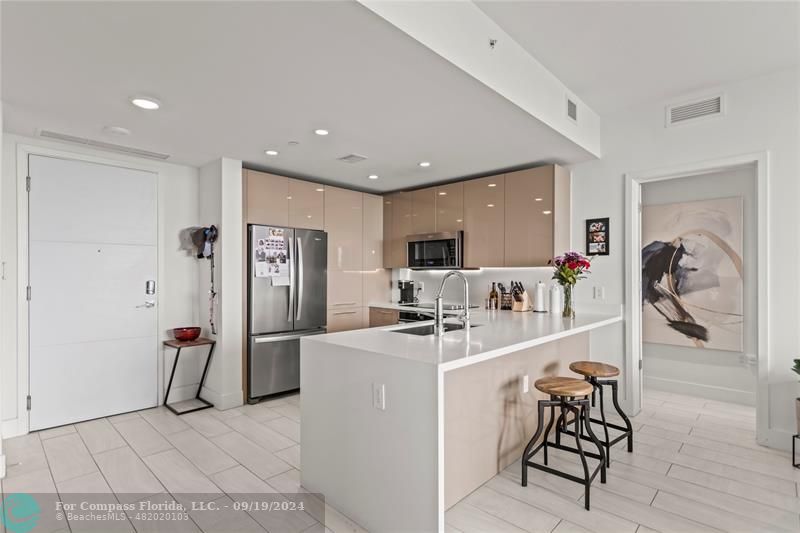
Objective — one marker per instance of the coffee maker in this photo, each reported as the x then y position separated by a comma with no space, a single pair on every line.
406,287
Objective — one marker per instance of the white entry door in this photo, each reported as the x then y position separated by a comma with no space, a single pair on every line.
93,247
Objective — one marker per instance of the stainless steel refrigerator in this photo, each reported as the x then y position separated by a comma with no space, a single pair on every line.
287,288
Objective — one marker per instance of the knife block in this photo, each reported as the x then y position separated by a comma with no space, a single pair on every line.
524,305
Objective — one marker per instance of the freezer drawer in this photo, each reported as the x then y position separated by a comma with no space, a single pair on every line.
274,363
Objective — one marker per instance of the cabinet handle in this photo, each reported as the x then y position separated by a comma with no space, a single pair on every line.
345,313
345,303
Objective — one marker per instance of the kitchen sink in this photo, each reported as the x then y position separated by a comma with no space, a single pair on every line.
428,329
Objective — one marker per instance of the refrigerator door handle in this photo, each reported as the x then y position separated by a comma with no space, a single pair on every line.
291,286
291,337
299,278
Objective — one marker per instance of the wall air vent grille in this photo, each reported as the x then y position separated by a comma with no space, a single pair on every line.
695,110
102,145
572,110
353,158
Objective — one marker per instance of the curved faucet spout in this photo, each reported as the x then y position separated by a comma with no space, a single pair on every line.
438,309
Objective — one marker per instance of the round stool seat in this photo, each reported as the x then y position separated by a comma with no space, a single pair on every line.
594,369
560,386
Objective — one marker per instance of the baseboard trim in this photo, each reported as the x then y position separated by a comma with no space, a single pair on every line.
223,401
711,392
776,438
13,428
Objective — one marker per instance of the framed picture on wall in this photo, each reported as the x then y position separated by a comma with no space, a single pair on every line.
597,236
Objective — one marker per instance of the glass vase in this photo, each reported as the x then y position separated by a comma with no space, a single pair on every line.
569,305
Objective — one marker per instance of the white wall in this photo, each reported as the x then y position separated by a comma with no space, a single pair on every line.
762,114
177,270
715,374
220,200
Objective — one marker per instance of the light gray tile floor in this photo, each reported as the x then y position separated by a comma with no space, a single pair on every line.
695,467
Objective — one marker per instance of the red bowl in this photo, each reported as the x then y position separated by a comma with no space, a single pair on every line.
186,334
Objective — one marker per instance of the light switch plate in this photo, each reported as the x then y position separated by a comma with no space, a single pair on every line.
526,384
379,396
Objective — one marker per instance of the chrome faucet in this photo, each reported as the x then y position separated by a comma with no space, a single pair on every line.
438,310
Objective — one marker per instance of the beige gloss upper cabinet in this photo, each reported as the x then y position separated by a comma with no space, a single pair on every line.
450,207
535,198
266,198
387,231
400,213
306,204
484,222
373,232
423,210
344,224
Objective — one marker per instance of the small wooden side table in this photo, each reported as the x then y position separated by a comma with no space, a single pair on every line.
179,345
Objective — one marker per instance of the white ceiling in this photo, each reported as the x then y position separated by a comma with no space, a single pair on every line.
615,54
236,79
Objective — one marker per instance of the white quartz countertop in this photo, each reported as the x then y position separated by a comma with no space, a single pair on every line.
497,333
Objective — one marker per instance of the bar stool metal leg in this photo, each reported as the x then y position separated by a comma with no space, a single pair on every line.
549,427
603,418
526,454
622,415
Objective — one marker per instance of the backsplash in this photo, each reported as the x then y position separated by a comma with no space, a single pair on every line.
480,282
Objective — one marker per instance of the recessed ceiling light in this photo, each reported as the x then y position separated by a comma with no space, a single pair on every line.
442,193
320,189
146,102
116,130
538,199
288,197
373,176
546,212
459,220
492,185
424,164
271,152
293,143
308,216
321,132
489,205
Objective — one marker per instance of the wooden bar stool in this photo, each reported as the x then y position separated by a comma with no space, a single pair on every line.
597,374
568,394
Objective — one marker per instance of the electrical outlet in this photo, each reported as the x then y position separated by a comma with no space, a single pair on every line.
421,285
379,396
526,385
599,292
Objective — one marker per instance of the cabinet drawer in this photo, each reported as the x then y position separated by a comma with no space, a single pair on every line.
383,317
345,319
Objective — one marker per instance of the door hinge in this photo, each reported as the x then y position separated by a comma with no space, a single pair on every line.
28,183
29,402
28,293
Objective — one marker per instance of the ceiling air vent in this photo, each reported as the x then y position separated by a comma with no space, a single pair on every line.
694,110
353,158
102,145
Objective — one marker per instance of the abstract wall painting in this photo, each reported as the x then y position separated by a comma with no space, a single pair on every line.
692,281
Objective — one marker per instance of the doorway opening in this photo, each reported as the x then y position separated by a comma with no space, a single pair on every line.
705,353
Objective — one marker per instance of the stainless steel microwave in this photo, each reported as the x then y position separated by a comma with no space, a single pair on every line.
435,250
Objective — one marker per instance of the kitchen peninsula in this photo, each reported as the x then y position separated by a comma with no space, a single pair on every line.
399,427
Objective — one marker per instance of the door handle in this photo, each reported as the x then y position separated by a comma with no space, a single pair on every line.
299,278
148,304
291,280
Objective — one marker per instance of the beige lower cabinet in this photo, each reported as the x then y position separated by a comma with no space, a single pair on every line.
383,317
345,319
